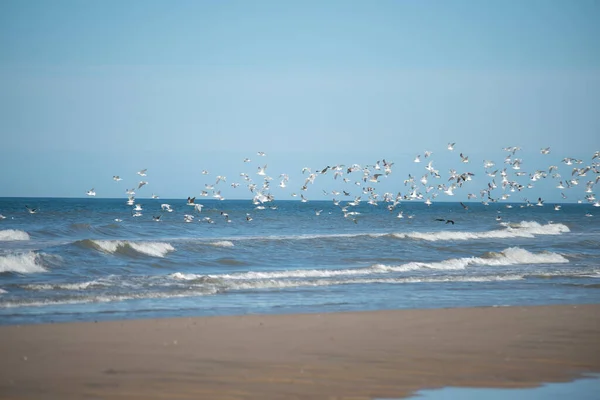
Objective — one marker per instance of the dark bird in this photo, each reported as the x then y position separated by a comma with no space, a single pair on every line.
464,206
448,221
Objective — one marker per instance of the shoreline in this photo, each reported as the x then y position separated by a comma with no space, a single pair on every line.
359,355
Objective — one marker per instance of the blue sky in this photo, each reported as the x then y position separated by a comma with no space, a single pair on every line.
96,89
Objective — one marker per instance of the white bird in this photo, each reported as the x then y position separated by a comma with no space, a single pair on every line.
31,210
451,146
142,183
117,178
91,192
261,170
166,207
154,196
545,150
142,172
261,153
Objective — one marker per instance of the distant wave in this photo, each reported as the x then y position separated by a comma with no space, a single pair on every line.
524,229
13,234
126,247
23,263
222,243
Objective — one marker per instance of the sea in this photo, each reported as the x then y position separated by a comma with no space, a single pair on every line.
92,259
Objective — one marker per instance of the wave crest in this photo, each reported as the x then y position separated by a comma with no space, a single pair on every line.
153,249
13,234
23,263
523,229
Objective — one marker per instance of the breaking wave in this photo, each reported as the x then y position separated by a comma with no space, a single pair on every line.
153,249
510,256
523,229
13,234
222,243
23,263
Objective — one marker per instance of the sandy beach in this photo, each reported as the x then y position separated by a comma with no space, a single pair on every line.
361,355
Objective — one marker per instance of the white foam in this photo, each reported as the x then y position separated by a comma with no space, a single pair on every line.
509,256
524,229
3,291
61,286
13,234
24,263
108,298
516,255
222,243
153,249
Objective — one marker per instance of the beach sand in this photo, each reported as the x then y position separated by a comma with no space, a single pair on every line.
357,355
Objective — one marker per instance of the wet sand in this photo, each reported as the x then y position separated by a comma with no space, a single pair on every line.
358,355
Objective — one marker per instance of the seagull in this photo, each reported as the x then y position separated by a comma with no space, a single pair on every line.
261,153
247,160
166,207
190,201
451,146
156,218
261,171
117,178
463,158
464,206
2,216
198,207
142,172
142,183
545,150
248,217
448,221
91,192
154,196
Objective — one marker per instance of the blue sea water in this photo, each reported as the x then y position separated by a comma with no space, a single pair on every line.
91,259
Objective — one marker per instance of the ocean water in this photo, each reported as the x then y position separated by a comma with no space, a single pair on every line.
91,259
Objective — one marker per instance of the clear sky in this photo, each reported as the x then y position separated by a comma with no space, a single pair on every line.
92,89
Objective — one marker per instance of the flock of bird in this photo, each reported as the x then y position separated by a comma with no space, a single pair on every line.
502,183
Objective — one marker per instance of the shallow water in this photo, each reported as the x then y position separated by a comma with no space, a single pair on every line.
587,388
